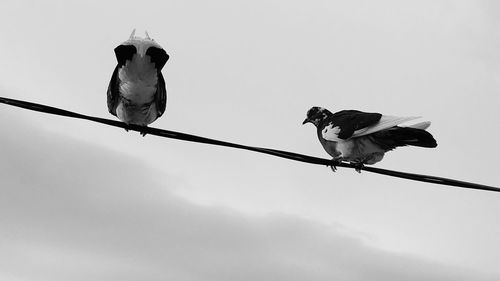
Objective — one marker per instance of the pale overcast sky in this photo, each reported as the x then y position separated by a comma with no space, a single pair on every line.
83,201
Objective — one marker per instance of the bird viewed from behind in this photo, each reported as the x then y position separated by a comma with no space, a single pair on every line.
137,92
363,138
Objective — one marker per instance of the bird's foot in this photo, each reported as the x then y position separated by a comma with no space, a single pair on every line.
334,164
358,167
126,128
143,132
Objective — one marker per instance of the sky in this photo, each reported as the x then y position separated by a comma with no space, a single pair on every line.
83,201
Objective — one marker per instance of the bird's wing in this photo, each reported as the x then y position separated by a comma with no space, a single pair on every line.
113,93
384,123
343,124
422,125
158,56
124,53
161,95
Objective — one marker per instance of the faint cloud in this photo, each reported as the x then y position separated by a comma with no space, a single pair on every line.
75,211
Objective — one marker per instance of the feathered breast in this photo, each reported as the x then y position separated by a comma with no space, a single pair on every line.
138,80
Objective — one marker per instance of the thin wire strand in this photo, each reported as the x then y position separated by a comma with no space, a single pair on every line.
274,152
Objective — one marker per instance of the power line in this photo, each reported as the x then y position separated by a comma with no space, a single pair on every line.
274,152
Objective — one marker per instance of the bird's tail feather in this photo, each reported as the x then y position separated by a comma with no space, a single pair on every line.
385,122
402,136
421,125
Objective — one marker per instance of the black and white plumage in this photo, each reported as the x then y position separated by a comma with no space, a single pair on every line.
363,138
137,92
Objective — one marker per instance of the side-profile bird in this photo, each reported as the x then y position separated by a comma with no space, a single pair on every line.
137,92
363,138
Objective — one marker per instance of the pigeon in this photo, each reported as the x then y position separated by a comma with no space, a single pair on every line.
137,92
363,138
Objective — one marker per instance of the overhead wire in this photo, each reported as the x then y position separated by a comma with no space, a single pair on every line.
275,152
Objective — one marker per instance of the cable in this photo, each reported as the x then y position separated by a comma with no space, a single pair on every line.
274,152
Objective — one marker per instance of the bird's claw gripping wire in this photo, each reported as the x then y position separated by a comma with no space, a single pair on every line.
143,132
334,164
126,128
358,167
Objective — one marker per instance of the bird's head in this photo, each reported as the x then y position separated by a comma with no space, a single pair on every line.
316,114
141,47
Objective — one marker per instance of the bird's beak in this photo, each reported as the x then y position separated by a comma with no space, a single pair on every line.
306,121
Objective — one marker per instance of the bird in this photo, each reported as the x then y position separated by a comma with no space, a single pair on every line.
137,92
363,138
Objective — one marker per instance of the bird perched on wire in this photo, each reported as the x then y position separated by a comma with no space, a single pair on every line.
137,92
363,138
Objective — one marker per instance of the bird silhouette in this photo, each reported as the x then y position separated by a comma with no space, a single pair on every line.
363,138
137,92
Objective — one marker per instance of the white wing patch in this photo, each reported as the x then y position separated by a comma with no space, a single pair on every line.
422,125
331,133
385,122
